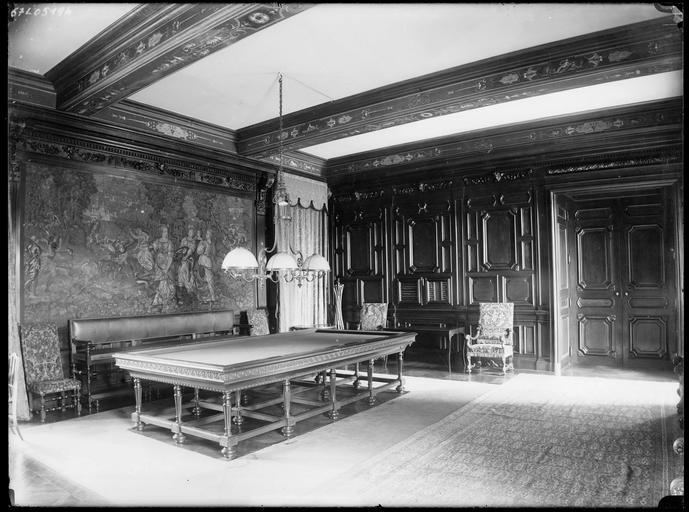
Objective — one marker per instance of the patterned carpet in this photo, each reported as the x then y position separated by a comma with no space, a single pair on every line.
535,441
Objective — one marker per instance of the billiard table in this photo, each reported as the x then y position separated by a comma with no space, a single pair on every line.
230,365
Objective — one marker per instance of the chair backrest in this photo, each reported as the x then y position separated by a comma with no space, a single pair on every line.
258,319
373,316
495,318
41,349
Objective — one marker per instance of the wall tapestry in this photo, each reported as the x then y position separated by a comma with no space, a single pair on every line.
97,245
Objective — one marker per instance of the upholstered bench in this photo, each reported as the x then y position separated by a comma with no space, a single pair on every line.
94,340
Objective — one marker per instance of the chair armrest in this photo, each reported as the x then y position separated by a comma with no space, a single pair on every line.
469,338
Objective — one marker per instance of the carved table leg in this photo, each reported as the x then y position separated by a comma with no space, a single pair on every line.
137,411
371,396
288,429
400,387
325,394
238,420
334,413
178,436
355,384
229,450
196,410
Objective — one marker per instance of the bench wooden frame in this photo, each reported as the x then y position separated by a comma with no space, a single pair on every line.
93,341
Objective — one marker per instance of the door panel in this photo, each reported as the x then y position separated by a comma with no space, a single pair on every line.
646,276
597,302
624,290
596,335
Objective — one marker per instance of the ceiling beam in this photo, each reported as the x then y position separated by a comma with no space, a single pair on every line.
631,51
620,128
151,42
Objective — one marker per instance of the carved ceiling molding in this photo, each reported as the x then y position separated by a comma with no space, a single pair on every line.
152,42
297,161
27,87
76,150
493,142
647,48
159,122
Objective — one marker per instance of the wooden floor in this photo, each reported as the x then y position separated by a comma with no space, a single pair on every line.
48,488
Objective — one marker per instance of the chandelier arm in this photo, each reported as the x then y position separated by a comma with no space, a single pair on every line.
273,277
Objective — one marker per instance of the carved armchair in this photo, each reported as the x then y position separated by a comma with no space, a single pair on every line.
258,319
44,375
373,316
493,339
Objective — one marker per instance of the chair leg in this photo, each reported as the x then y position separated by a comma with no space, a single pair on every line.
77,402
42,408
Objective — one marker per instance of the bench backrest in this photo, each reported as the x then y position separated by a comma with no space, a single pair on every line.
108,330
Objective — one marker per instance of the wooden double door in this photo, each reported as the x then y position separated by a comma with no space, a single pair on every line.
622,289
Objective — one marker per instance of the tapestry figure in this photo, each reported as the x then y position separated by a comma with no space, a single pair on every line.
33,264
162,248
187,253
143,252
205,283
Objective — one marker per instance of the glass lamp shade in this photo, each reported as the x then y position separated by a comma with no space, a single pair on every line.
317,263
281,261
239,259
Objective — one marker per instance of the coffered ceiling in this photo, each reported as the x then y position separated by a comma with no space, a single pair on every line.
357,78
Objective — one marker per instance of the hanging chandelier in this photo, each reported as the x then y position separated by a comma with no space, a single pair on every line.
240,263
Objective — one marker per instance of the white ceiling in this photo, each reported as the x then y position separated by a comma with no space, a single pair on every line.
37,43
345,49
332,51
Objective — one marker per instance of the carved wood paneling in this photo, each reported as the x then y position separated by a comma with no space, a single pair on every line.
596,335
647,269
594,259
648,337
499,251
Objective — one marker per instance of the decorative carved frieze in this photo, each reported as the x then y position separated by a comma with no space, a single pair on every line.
616,164
498,177
83,151
359,196
421,187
